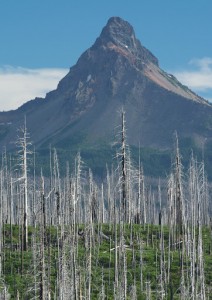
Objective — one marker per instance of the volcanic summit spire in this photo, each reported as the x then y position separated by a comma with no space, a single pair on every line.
118,34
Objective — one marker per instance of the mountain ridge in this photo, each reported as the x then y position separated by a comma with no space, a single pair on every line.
116,72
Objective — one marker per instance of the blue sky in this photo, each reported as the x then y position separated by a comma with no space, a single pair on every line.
42,39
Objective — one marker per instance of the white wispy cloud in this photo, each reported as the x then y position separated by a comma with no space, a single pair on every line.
18,85
197,76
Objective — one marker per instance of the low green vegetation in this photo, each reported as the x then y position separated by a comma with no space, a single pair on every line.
77,237
138,249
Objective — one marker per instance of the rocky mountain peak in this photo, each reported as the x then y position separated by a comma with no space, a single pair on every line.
118,35
117,71
119,32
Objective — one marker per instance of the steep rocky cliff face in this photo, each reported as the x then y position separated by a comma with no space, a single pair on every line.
117,71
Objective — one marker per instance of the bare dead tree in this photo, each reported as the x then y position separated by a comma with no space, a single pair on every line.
23,152
178,190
